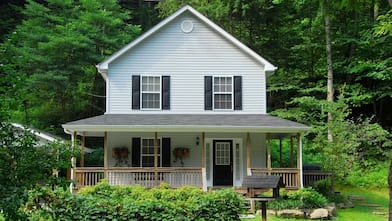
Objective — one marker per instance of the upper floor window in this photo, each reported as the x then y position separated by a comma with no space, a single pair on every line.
150,92
223,93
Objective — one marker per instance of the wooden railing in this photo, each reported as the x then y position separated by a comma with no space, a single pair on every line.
290,176
148,177
311,177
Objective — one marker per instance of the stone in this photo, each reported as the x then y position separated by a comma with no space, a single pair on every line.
290,213
318,214
331,207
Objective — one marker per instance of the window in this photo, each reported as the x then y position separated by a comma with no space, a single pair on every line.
147,152
151,92
223,93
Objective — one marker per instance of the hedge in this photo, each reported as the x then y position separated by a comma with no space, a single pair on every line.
105,202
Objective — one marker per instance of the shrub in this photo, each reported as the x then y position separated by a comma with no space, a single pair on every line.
105,202
305,198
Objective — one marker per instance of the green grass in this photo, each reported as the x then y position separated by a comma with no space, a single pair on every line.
361,211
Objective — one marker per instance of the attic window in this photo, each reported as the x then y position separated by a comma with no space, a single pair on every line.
187,26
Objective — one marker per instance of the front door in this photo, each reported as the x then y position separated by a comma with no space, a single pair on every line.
223,163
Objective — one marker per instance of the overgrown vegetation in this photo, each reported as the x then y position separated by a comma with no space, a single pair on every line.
105,202
25,163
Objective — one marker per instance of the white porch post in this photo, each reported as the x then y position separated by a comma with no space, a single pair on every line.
105,155
73,162
156,159
299,160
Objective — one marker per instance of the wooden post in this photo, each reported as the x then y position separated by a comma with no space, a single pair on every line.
73,162
291,152
299,160
280,153
156,159
203,151
105,154
82,151
263,210
248,163
269,153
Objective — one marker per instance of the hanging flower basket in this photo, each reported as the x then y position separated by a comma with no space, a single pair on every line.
180,153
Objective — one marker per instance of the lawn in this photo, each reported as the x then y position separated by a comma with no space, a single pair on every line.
364,207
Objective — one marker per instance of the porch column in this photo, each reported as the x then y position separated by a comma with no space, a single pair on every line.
156,159
291,152
83,140
248,164
299,160
105,154
203,162
269,153
73,162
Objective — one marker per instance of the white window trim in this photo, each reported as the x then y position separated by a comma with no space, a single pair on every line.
151,92
149,155
232,92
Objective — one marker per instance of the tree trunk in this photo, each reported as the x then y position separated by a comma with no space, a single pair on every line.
329,65
390,191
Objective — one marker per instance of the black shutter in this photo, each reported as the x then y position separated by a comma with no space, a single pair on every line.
136,92
136,148
237,93
208,93
165,92
166,152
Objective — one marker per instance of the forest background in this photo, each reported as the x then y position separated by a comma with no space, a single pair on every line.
49,49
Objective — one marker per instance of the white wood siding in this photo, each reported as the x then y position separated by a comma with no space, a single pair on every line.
187,58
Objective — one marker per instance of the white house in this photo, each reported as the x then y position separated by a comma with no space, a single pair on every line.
186,105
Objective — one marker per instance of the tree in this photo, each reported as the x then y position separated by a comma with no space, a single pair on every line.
24,164
54,52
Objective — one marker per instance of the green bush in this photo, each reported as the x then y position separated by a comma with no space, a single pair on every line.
105,202
305,198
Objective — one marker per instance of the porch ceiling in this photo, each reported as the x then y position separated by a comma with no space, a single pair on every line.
185,123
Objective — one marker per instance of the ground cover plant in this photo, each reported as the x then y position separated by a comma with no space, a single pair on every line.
105,202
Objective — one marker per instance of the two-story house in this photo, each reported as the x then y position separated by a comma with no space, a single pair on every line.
186,105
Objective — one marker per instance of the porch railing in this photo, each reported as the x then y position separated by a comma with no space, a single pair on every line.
148,177
311,177
290,176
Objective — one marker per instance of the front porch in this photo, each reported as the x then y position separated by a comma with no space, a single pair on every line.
197,176
220,150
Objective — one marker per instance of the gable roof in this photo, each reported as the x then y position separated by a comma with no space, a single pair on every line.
103,66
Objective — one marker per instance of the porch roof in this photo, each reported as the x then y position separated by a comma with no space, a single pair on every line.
185,123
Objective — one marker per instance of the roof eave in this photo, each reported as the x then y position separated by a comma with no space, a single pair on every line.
183,128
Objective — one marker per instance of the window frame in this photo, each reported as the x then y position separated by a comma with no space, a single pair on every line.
150,92
223,93
150,155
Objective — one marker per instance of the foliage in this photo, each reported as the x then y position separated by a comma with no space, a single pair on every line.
371,177
25,163
133,203
305,198
53,53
